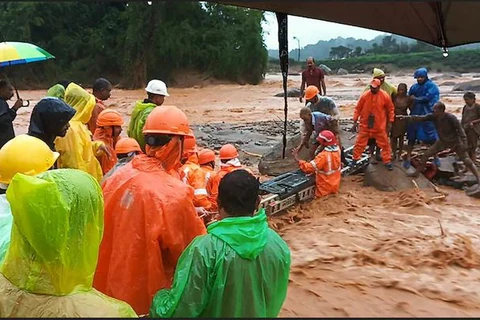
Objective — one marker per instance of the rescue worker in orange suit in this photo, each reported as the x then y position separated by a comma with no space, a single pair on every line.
109,127
192,175
125,149
149,216
228,162
206,160
374,109
327,165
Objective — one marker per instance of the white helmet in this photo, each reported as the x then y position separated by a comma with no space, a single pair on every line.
157,87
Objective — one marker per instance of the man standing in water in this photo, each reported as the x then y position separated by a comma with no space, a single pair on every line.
425,94
313,76
470,123
450,136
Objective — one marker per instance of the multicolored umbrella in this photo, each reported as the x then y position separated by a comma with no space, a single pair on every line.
13,53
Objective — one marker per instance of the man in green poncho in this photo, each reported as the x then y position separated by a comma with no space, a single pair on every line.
156,93
239,269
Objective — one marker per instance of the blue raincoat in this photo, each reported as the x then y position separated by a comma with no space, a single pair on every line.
426,95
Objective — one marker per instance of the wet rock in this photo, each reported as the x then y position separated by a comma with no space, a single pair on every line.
272,163
473,191
448,83
325,69
292,93
379,177
447,76
473,85
342,71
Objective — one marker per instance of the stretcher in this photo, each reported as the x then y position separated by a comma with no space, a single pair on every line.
282,192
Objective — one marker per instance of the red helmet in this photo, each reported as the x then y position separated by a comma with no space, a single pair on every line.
327,138
228,152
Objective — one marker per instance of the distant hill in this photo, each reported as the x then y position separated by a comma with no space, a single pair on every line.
321,49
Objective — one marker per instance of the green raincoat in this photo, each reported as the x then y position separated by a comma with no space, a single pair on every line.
5,226
56,91
50,263
137,121
239,269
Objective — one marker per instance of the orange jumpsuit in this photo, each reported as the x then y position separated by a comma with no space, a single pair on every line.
105,135
379,105
192,175
149,220
327,167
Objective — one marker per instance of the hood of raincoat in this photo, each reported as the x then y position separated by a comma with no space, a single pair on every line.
378,73
56,91
137,121
421,72
168,155
246,235
82,101
48,117
56,234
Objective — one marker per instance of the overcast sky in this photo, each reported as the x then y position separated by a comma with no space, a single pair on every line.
310,31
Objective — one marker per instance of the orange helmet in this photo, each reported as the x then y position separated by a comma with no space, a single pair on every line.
228,151
190,143
327,138
205,156
108,118
167,120
311,92
127,145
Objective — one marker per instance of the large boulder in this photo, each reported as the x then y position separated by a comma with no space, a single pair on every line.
292,93
272,164
473,85
447,76
379,177
325,69
342,71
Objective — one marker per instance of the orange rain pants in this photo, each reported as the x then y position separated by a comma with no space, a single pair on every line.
104,134
192,175
149,220
327,167
380,106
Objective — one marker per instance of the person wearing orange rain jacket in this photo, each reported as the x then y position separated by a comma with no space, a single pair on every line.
228,162
327,165
149,216
206,160
125,149
109,128
192,175
374,109
56,233
77,150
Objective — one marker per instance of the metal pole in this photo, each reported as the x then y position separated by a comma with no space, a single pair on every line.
283,55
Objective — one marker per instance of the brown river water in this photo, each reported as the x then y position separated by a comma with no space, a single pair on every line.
363,252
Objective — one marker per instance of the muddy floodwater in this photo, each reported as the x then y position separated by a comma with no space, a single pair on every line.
361,253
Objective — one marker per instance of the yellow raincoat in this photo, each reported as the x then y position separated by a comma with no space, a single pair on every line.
77,150
387,87
50,263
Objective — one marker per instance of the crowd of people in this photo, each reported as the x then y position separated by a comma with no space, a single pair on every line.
383,117
93,224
